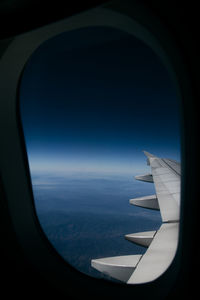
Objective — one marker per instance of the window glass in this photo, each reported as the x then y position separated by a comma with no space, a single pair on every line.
91,100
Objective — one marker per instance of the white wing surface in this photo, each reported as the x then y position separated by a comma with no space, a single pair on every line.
166,177
162,244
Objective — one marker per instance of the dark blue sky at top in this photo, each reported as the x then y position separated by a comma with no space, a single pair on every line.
92,99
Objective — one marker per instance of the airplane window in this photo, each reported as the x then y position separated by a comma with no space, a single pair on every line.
91,100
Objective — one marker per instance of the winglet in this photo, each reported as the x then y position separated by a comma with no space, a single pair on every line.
148,154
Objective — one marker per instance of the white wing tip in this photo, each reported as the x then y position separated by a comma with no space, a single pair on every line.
148,154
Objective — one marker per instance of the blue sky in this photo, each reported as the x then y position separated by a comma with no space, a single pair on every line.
92,99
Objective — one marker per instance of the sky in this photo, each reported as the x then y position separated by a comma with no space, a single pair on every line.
91,100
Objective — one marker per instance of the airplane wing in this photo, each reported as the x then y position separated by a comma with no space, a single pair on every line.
162,244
